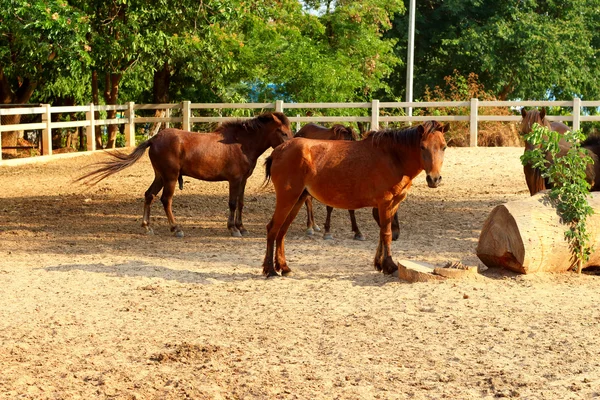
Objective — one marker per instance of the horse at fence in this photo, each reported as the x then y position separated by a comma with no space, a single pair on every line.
336,132
375,172
533,177
227,154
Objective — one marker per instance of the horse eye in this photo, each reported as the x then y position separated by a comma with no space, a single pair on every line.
444,149
422,147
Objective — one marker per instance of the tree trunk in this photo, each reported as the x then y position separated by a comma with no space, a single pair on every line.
96,101
160,94
22,94
111,96
528,236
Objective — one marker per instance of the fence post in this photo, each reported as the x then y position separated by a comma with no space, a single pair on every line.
298,124
167,115
90,131
473,123
130,125
186,113
0,138
279,106
47,131
374,115
576,114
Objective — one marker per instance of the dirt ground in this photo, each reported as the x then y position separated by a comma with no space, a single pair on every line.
92,307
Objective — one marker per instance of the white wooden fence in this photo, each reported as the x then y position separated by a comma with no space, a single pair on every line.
186,118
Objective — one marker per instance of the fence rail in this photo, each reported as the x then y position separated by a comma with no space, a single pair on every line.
186,118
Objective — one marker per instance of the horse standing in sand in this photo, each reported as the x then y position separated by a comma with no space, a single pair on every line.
336,132
374,172
227,154
533,177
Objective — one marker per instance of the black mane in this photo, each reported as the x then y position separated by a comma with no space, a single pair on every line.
406,136
251,125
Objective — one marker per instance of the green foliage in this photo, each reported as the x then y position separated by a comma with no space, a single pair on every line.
567,173
527,49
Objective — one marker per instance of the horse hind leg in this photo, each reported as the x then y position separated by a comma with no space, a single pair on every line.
283,207
280,261
149,198
167,201
357,233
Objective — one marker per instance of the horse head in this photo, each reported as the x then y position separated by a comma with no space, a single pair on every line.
433,145
277,128
531,117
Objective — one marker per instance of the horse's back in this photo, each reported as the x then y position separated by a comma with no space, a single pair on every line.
559,127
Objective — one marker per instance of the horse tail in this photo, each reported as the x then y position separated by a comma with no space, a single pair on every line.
120,160
268,164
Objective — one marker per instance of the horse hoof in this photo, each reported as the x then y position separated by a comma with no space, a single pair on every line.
235,233
179,234
328,236
317,229
395,236
359,236
149,231
244,232
310,231
271,274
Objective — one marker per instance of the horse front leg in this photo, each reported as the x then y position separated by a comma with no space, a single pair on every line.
357,233
383,257
395,223
240,206
234,190
280,261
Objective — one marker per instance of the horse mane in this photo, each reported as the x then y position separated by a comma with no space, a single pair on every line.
530,118
406,136
342,132
253,125
592,141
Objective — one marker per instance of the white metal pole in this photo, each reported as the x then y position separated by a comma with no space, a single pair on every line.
410,57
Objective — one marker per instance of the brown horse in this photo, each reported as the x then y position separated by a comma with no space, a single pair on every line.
336,132
374,172
228,154
533,177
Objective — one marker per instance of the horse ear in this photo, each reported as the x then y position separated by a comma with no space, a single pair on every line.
276,119
542,112
523,112
445,128
420,130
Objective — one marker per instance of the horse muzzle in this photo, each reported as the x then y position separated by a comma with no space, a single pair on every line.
434,182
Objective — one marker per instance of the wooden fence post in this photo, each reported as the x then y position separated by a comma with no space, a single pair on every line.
130,125
90,131
47,131
167,115
186,113
576,114
374,115
0,138
298,126
473,123
279,106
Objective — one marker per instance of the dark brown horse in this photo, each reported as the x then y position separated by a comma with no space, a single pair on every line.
374,172
336,132
533,177
228,154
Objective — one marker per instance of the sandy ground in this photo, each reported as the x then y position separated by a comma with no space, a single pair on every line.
91,307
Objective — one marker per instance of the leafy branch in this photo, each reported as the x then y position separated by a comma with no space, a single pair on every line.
565,168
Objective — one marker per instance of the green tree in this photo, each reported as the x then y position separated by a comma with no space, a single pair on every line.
41,42
523,49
